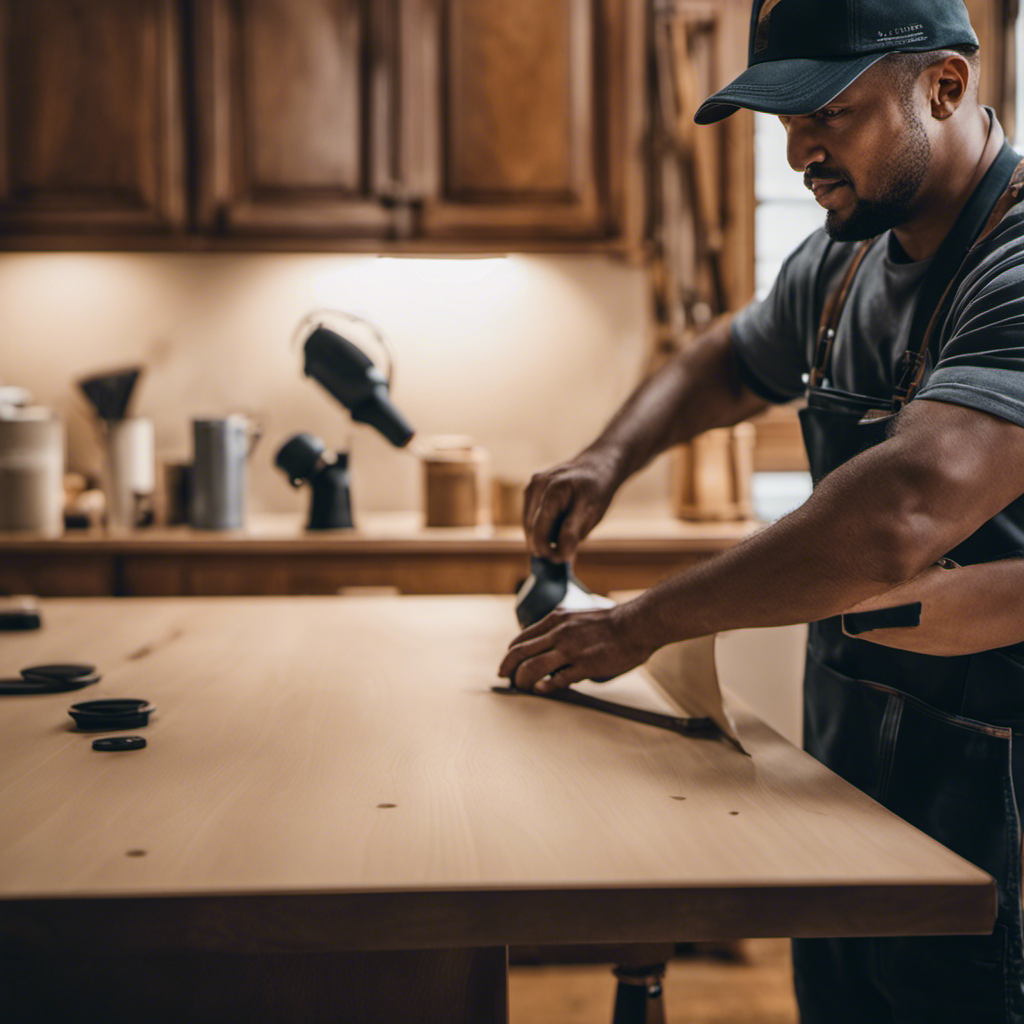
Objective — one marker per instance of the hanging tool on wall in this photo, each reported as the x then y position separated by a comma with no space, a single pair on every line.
688,282
711,478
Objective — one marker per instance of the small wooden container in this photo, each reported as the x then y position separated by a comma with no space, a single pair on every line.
507,502
455,482
712,475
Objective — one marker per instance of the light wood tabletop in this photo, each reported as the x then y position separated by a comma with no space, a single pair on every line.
337,774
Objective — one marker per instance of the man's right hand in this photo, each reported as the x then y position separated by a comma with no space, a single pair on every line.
564,503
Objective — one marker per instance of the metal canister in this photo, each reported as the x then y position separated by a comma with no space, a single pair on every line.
31,471
222,447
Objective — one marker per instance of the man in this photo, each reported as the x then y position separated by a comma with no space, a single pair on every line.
910,351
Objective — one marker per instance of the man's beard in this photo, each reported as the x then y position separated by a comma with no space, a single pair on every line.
872,217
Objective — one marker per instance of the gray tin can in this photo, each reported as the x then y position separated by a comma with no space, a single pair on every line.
221,450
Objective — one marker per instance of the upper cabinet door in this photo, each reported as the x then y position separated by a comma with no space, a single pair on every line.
91,131
519,116
296,116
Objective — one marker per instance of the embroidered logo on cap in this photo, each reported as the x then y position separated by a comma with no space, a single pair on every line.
903,34
764,20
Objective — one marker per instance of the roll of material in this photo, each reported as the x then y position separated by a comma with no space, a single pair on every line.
31,471
130,471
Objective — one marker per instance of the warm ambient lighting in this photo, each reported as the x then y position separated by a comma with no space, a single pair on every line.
445,270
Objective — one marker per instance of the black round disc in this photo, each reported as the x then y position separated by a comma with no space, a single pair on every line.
44,684
119,743
111,713
110,706
59,671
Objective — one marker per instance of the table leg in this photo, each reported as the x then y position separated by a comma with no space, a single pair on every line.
639,997
444,986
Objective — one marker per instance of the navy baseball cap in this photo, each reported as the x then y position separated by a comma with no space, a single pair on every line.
804,53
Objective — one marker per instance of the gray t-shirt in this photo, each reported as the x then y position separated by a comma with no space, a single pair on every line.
980,346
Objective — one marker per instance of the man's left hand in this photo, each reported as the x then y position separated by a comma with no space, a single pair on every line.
568,647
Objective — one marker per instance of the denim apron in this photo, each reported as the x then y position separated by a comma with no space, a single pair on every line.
935,740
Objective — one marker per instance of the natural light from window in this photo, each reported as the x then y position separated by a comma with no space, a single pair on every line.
1018,138
786,211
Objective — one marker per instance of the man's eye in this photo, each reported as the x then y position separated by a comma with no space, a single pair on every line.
830,113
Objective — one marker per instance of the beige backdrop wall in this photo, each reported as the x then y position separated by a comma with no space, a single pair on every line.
529,355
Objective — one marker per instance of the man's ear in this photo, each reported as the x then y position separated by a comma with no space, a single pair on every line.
949,82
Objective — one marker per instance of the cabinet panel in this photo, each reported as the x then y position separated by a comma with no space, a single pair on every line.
525,104
296,113
91,133
513,74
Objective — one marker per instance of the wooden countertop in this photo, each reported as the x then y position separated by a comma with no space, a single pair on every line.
386,533
341,765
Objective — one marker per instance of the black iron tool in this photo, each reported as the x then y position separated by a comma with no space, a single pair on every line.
674,723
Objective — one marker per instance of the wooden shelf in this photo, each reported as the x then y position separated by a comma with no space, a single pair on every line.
276,556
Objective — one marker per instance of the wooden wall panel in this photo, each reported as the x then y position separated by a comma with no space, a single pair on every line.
995,23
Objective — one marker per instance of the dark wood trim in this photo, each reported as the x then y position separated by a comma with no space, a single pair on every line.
436,920
440,986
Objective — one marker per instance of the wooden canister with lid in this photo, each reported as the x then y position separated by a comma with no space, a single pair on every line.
712,475
454,481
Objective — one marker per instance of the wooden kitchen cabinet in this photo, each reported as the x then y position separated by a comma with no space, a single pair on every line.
378,125
417,121
297,115
529,122
91,128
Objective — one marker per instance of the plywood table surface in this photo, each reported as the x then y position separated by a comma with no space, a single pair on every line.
336,773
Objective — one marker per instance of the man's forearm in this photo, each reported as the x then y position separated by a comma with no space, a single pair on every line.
699,389
847,543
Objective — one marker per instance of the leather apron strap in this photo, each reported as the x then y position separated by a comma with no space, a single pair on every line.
833,310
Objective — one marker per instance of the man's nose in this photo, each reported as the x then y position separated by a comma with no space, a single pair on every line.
802,145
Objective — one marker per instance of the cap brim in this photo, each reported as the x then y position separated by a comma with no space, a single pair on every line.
799,85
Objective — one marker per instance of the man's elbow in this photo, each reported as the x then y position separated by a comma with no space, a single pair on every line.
907,541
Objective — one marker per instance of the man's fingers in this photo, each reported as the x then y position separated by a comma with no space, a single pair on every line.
533,670
552,508
521,650
561,680
570,533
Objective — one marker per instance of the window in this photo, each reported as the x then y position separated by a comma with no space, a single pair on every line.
786,212
1018,128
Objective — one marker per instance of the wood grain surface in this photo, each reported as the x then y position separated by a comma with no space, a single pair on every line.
336,773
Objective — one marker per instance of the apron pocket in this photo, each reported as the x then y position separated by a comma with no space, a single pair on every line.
843,725
951,778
